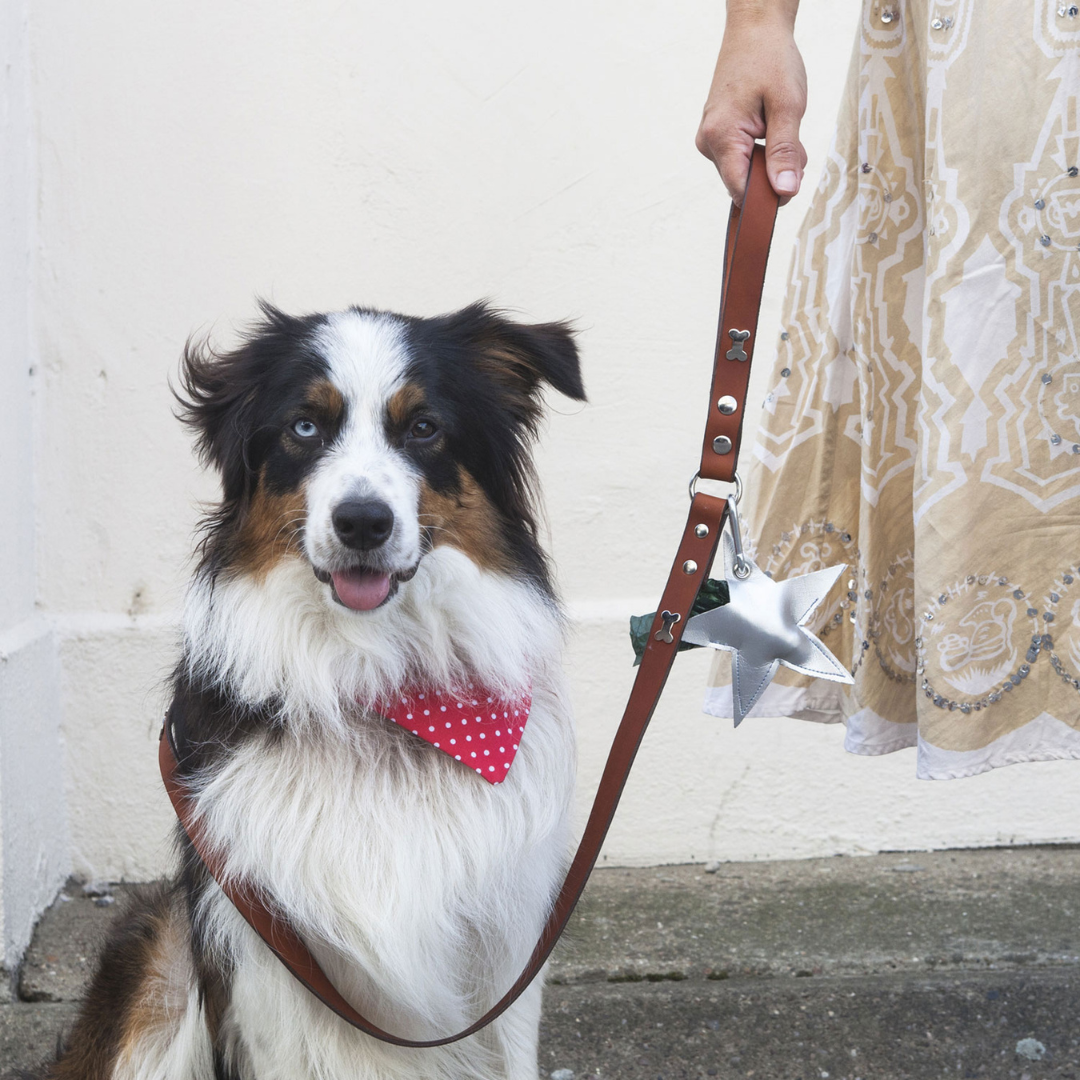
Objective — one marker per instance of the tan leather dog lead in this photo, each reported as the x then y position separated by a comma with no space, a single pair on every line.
748,238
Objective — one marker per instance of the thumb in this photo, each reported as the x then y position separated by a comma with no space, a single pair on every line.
785,157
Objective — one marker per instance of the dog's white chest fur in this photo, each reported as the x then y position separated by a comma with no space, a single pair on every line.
421,888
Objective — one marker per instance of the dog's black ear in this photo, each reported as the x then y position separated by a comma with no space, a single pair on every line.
542,352
216,399
521,357
218,396
229,398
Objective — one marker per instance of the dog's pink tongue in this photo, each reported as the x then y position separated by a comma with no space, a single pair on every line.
361,590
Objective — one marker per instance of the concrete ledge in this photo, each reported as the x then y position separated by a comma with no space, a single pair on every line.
891,967
856,1028
955,910
30,1034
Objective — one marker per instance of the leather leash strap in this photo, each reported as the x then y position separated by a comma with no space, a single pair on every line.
748,238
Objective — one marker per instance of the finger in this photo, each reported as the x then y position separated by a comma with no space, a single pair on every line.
729,149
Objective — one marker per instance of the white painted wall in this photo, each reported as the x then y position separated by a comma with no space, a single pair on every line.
34,854
420,155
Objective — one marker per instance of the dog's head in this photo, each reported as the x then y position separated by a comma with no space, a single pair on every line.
361,440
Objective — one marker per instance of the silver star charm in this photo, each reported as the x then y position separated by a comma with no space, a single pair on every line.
763,626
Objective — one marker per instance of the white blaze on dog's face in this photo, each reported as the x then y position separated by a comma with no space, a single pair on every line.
363,495
359,441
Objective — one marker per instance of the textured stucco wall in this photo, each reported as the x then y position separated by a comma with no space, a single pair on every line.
33,839
418,156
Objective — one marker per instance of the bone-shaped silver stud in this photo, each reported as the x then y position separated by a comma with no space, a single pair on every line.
664,633
737,352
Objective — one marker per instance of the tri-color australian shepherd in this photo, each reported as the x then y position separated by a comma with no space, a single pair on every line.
376,541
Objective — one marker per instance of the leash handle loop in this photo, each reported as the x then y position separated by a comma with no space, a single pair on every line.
746,253
745,256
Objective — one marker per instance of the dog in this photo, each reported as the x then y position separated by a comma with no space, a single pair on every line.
376,545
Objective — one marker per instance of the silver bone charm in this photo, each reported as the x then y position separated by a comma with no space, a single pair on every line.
737,352
664,633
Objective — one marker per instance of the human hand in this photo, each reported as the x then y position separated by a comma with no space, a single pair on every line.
758,90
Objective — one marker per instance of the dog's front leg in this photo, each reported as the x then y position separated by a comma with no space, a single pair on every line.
518,1034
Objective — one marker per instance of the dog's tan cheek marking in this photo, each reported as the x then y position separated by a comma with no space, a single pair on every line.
271,529
466,521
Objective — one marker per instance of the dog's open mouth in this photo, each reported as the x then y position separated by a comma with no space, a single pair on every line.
361,588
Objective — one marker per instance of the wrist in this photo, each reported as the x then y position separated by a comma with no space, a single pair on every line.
755,14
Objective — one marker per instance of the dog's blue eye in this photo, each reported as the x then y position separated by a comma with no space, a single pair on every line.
423,430
305,429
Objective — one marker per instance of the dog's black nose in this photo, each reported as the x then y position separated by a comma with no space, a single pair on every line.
363,524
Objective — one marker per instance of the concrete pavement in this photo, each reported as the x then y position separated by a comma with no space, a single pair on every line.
953,964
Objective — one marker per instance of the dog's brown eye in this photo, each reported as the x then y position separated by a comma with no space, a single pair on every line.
423,430
305,429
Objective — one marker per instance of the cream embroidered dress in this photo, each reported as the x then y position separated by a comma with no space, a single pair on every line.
923,421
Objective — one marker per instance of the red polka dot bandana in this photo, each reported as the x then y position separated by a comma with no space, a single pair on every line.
479,729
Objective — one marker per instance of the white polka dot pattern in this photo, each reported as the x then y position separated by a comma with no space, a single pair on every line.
479,729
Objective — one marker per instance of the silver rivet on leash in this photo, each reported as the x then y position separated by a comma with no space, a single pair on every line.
721,445
737,352
701,531
727,404
689,567
664,633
